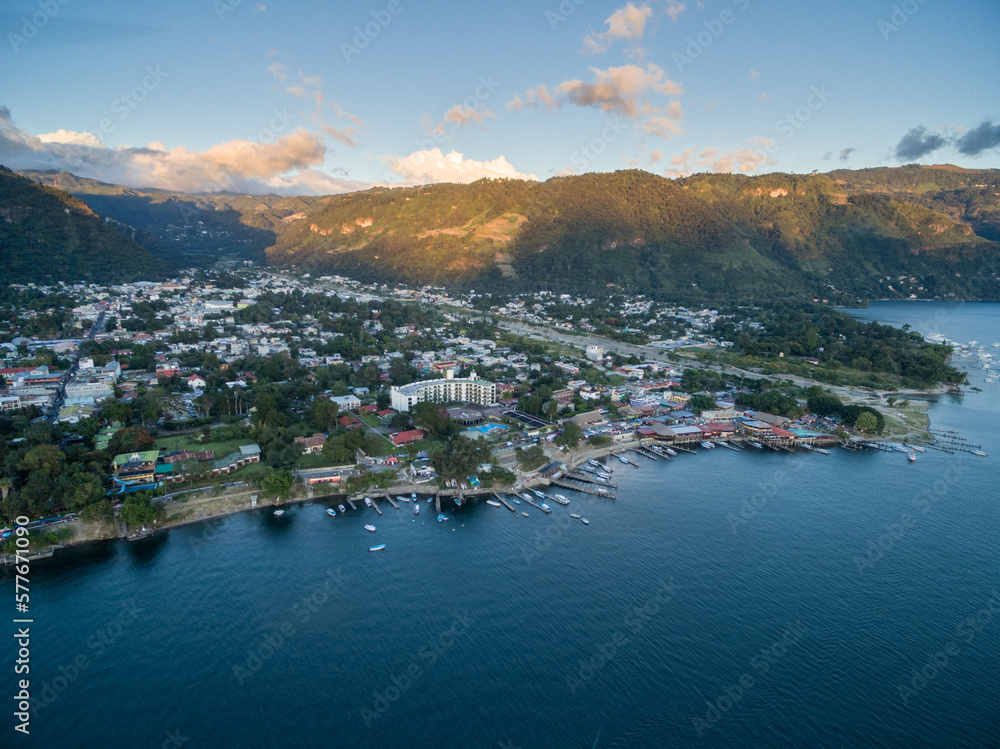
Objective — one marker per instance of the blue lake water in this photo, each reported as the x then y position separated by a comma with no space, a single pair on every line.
725,599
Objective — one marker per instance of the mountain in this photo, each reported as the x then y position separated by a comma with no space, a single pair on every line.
874,233
47,235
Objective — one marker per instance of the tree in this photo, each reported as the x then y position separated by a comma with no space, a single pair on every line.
866,422
278,483
571,435
699,403
138,509
323,413
130,440
531,458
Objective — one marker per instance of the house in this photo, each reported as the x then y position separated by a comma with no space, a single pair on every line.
350,421
346,402
407,437
196,382
312,445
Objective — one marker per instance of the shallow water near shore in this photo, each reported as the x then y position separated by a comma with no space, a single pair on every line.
725,599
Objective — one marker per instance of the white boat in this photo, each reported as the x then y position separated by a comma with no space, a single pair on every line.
442,517
707,445
918,449
492,503
912,456
574,515
980,453
594,463
562,498
331,512
368,501
622,459
757,445
540,495
402,499
525,514
342,509
670,452
527,496
377,547
416,508
585,521
545,507
279,513
370,528
821,450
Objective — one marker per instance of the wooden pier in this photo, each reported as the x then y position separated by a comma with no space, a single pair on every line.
350,501
646,452
504,502
390,500
586,480
437,502
731,447
608,493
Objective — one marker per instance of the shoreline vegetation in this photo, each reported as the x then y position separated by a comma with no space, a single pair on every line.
200,505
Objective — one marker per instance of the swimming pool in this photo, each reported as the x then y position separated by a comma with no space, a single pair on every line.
489,428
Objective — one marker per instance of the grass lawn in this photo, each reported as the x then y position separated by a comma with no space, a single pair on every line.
316,460
189,442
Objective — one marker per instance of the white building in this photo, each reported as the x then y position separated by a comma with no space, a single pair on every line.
346,402
595,353
443,391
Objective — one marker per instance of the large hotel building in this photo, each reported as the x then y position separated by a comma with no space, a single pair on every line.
443,391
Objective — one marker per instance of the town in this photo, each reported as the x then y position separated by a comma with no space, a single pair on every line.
149,403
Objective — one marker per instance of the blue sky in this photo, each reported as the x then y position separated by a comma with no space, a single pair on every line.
319,97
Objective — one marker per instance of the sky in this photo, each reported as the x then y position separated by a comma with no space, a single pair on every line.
314,97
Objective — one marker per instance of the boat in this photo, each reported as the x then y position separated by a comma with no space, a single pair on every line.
561,498
980,453
622,459
377,547
540,495
401,498
331,512
413,496
807,447
342,509
430,499
594,463
707,445
279,513
757,445
574,515
545,507
370,528
458,501
912,456
670,452
918,448
821,450
525,514
368,501
517,501
585,521
527,496
442,517
492,503
416,509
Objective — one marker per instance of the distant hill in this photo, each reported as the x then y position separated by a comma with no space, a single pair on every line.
48,235
874,233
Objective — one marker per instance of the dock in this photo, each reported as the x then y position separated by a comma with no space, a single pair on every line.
437,502
731,447
375,505
533,503
587,480
646,452
682,449
607,493
391,501
350,501
560,501
503,501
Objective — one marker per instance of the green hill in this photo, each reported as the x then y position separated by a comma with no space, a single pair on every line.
47,235
874,233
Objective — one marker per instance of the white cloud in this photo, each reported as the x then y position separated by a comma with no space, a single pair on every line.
625,23
616,89
711,159
68,136
286,165
279,71
463,115
423,167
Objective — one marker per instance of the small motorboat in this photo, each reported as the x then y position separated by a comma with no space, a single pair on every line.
524,514
377,547
458,501
545,507
574,515
370,528
912,456
585,521
416,509
279,513
368,501
342,509
492,503
331,512
442,517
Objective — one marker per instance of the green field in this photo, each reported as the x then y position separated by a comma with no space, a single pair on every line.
190,442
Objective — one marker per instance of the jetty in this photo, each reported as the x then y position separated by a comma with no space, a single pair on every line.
391,501
646,452
504,502
608,491
524,498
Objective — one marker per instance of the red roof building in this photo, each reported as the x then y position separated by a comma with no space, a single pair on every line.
405,438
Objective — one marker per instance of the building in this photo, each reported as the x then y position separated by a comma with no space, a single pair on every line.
443,391
407,437
346,402
134,471
312,445
595,353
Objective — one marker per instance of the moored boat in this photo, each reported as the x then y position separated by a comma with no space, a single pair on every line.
416,508
370,528
492,503
980,453
574,515
342,509
670,452
279,513
368,501
331,512
442,517
585,521
377,547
